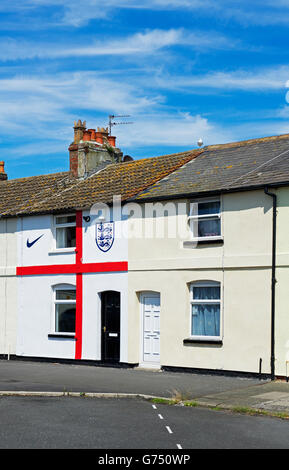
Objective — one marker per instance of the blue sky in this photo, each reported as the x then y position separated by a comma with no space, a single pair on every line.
182,69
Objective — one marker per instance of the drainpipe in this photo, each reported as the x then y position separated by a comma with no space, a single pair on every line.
273,280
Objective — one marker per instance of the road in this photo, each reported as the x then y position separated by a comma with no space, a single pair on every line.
89,423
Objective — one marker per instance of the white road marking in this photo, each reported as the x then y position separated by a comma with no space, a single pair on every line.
167,427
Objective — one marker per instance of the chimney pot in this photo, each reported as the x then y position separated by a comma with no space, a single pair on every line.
111,140
3,175
86,136
102,130
92,134
99,137
79,128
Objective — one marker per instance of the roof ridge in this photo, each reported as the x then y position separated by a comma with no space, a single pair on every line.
245,142
110,165
36,176
178,154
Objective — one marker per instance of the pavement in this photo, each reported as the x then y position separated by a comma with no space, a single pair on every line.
214,391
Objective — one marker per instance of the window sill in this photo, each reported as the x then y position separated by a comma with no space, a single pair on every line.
61,335
217,342
62,251
203,241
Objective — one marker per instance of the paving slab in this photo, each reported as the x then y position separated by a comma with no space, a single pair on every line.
271,396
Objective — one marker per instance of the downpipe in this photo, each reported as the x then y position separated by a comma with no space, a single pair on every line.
273,279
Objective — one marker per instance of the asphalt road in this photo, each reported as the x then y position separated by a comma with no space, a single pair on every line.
89,423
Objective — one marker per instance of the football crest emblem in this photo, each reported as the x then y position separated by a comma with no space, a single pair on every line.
104,235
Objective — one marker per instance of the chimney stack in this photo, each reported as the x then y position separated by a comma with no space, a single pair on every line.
3,175
91,149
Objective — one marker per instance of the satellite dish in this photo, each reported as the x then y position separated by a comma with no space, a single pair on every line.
200,142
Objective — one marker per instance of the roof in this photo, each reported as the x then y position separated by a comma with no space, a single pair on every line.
215,168
227,167
62,192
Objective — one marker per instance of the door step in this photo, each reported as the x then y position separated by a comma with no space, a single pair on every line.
149,368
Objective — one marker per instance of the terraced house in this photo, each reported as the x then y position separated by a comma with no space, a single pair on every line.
178,261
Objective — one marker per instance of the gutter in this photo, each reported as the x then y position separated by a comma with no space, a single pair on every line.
273,279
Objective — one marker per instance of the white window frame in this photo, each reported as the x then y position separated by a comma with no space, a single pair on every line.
55,226
205,217
57,301
206,301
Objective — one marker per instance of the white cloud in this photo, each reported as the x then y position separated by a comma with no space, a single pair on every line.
144,43
78,14
175,130
257,79
43,104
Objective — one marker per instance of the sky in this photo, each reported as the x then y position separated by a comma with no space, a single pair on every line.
180,69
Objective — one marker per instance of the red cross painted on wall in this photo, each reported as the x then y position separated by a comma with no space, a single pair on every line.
79,268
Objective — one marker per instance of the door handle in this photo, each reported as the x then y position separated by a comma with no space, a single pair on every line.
104,329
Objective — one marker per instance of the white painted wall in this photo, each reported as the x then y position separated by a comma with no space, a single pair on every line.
35,299
36,311
42,252
91,252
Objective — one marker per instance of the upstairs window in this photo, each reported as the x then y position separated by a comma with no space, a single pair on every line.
205,219
64,310
205,309
65,231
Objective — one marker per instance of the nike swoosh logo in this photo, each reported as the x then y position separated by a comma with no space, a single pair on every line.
34,241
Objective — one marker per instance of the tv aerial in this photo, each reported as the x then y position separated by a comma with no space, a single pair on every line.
111,121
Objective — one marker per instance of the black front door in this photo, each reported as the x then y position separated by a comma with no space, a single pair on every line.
110,321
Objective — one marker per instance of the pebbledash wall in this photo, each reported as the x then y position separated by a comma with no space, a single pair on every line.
41,268
241,263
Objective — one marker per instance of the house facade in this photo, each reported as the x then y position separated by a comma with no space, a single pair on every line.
177,261
214,297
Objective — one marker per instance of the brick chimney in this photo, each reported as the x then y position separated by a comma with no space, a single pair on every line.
3,175
91,149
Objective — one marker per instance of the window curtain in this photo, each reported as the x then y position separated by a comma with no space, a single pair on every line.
206,316
206,320
206,293
209,228
60,237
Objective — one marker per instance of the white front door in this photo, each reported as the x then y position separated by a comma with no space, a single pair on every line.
151,328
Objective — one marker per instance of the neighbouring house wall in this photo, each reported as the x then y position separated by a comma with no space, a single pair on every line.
8,286
282,284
